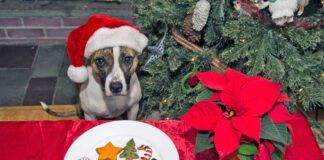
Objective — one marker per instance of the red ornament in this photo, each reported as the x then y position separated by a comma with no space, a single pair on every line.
192,81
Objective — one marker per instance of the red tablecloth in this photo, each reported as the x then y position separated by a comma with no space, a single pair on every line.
46,140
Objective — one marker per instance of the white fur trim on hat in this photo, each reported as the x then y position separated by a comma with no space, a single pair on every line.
77,74
110,37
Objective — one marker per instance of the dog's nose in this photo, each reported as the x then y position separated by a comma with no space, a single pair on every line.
116,87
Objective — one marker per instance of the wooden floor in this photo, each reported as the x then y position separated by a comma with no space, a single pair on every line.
33,113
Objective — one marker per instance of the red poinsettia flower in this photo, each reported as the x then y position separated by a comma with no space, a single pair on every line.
246,100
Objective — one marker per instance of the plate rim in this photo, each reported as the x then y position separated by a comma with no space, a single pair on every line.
171,146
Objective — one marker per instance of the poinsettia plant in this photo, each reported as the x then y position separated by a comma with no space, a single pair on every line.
247,115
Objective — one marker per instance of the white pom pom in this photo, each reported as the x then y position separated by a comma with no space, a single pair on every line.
77,74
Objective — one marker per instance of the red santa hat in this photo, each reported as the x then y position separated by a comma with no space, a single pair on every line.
100,31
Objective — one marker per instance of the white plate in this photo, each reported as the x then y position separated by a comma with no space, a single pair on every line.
119,133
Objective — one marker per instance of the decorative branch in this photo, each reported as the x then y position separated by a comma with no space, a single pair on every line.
216,62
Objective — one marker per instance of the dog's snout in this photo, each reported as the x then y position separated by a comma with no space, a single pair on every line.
116,87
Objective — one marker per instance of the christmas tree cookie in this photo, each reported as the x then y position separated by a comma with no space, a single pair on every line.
129,151
108,152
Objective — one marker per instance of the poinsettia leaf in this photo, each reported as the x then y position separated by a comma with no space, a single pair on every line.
276,155
244,157
270,131
212,80
226,146
279,146
280,113
247,149
249,126
284,98
204,115
203,142
259,95
204,95
283,130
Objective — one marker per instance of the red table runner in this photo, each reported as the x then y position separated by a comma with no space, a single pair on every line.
49,140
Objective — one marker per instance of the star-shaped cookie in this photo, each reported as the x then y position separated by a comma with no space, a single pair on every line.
108,152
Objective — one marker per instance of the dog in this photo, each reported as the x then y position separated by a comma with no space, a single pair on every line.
112,88
109,85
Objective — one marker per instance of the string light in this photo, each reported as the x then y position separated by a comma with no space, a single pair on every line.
165,101
301,90
193,59
322,75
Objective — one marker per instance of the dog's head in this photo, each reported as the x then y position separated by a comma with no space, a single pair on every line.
113,68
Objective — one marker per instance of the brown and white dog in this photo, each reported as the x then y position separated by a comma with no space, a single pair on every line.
112,87
109,84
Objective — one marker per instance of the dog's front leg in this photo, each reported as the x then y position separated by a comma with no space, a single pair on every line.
132,113
89,117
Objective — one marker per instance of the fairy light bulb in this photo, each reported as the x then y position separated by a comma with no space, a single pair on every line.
165,101
301,90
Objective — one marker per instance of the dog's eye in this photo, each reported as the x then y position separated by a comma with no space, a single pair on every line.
127,59
100,61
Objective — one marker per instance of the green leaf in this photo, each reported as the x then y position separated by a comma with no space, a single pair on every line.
282,127
271,131
203,142
204,95
247,149
243,157
279,146
276,155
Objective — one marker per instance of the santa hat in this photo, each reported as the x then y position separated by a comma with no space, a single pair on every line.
100,31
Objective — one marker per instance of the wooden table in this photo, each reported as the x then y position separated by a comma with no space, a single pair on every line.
33,113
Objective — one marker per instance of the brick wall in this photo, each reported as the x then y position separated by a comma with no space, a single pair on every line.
38,30
26,22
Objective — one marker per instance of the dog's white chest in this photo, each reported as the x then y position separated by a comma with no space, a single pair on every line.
96,103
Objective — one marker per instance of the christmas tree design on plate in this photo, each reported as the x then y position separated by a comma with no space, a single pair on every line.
129,151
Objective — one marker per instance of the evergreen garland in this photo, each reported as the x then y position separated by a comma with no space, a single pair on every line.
288,55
